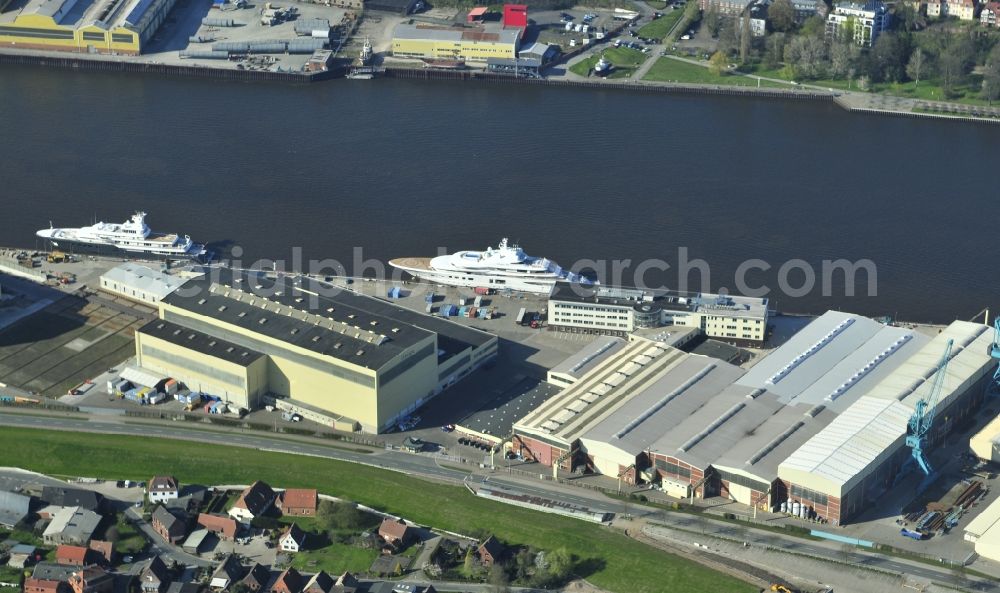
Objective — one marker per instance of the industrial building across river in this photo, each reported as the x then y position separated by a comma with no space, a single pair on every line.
817,427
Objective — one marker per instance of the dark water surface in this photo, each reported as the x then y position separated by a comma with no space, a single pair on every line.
401,168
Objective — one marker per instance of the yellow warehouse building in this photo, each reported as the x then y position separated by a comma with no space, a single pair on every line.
348,360
83,26
471,44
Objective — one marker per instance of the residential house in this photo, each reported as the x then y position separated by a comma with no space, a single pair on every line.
177,587
74,555
22,555
289,581
105,550
72,497
964,10
50,571
254,501
758,19
155,577
33,585
163,488
292,540
14,508
72,525
298,502
725,7
869,21
224,527
389,564
193,498
395,531
490,551
990,16
257,578
229,571
92,579
347,583
320,583
168,525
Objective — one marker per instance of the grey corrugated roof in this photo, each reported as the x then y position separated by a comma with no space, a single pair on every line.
852,343
144,278
665,414
589,356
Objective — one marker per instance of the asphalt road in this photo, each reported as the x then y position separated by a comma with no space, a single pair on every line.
428,467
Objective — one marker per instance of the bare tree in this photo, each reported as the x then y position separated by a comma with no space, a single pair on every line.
916,65
745,37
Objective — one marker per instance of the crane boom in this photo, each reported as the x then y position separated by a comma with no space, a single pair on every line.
924,411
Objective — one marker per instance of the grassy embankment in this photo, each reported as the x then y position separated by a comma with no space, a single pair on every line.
606,558
625,59
671,70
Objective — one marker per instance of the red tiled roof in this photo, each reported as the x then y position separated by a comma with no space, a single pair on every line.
162,484
223,525
393,528
298,498
71,554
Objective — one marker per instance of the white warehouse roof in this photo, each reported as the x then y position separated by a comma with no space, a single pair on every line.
144,279
834,360
833,459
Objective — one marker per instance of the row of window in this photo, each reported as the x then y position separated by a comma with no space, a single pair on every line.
672,468
810,495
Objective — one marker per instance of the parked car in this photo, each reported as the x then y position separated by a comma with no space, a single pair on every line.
448,427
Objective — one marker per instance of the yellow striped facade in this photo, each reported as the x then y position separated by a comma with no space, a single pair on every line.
35,31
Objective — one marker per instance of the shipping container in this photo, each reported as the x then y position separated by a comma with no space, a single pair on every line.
482,290
520,316
471,313
429,298
478,302
429,308
156,398
170,387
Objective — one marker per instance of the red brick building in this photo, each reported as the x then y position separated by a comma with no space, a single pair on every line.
298,502
73,555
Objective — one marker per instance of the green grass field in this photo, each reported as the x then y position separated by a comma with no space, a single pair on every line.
659,28
671,70
625,59
604,557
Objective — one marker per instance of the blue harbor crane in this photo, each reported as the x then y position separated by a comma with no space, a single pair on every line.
994,386
923,418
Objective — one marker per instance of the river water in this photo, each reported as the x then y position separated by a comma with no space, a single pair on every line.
402,168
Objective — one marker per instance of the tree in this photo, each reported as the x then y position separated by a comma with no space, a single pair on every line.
843,56
781,13
713,20
774,50
112,534
469,564
888,57
955,62
560,564
991,77
339,515
745,37
728,37
498,580
915,65
909,18
815,26
807,56
718,63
